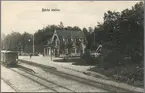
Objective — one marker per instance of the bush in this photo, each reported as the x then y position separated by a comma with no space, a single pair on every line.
136,58
88,58
112,59
97,60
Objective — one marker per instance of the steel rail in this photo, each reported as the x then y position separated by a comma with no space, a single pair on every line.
32,74
6,81
31,79
76,78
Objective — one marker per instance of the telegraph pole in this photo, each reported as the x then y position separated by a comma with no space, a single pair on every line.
33,46
94,36
51,50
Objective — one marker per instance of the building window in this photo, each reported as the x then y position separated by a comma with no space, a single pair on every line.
63,40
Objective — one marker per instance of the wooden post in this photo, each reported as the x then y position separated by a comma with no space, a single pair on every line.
47,51
75,50
44,51
33,45
51,53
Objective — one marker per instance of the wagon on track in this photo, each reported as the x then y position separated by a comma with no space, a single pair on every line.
9,58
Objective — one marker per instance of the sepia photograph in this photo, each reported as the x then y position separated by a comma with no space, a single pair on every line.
72,46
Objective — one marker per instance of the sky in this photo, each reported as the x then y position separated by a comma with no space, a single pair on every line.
27,16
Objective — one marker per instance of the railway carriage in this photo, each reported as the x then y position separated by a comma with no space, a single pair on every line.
9,58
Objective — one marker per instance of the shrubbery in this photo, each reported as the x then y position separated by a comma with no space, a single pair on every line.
113,58
88,58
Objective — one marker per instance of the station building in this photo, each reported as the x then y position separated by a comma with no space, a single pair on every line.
65,42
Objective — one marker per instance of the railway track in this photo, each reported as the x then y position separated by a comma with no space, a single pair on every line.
77,78
14,88
30,74
40,80
43,81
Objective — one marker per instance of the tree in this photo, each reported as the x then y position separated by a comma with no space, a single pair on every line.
75,28
25,44
61,25
123,31
90,30
11,41
3,36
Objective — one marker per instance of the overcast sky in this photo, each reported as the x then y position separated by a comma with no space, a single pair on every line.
28,16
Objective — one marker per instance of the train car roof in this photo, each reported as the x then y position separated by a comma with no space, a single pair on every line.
5,51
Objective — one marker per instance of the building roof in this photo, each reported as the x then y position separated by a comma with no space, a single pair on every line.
66,34
49,41
69,34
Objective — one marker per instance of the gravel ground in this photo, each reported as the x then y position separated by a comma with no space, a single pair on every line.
5,87
57,83
47,60
20,83
68,67
66,82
